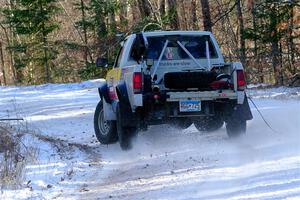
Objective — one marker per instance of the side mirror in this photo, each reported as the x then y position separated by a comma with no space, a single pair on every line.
101,62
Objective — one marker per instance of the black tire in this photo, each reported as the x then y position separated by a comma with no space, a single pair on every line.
208,124
181,124
125,134
236,127
105,131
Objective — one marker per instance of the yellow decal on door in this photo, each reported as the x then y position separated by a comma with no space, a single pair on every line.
113,76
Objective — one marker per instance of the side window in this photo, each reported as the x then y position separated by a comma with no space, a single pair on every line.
119,57
120,54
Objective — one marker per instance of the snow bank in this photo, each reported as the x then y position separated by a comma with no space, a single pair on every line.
279,93
50,86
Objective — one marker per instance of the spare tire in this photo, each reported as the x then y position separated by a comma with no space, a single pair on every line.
184,80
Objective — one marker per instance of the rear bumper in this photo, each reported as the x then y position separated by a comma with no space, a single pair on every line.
168,111
208,109
213,103
201,95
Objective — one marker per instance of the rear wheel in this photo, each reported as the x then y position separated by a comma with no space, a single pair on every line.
105,131
181,124
236,127
125,134
209,124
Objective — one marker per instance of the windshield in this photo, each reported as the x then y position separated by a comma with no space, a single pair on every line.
196,45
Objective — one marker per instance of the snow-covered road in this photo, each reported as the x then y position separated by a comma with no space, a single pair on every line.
165,163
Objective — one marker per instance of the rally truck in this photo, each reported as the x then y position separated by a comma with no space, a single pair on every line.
170,77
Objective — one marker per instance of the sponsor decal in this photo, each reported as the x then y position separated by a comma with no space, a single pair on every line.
223,95
180,63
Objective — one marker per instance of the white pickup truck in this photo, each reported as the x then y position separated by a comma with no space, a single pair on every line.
175,77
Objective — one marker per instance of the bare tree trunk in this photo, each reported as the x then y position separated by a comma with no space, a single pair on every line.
134,14
291,42
182,19
84,33
232,36
206,15
145,8
171,6
2,68
2,54
12,36
46,49
194,15
281,65
275,47
162,7
77,30
276,62
256,58
229,44
241,27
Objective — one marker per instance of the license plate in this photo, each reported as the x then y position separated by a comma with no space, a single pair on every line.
190,106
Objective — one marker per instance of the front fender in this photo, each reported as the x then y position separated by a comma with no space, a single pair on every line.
109,114
103,93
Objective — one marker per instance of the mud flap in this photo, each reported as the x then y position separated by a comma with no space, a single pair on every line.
129,118
242,111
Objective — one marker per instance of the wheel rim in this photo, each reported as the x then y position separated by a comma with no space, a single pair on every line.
103,124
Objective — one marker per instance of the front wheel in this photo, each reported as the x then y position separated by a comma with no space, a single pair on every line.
105,131
236,127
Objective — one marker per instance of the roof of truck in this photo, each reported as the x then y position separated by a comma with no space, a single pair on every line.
160,33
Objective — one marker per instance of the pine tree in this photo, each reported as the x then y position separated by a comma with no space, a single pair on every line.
97,22
271,15
32,21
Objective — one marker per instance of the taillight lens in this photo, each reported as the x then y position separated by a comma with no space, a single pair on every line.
112,93
219,85
241,82
137,82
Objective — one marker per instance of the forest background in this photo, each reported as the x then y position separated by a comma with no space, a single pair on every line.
57,41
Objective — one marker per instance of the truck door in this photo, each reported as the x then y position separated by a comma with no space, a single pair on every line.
114,76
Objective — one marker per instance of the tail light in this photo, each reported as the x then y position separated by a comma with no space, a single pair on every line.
241,82
219,85
137,82
112,93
